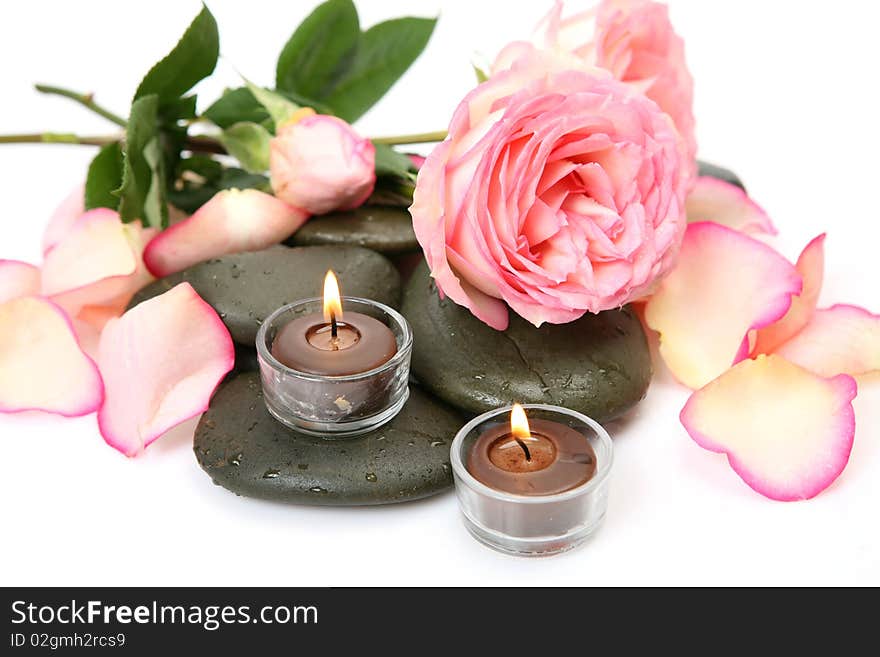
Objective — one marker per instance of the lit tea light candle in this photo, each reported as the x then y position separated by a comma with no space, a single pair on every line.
532,485
542,459
334,366
333,344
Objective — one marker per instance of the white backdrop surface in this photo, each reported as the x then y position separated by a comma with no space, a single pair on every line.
786,96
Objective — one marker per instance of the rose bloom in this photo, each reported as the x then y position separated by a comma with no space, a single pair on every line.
557,192
633,39
320,164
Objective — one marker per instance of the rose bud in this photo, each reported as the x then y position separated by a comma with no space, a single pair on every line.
320,164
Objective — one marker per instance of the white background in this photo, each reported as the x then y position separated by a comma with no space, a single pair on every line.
786,95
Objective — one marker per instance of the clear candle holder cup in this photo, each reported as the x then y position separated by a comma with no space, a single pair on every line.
335,406
532,525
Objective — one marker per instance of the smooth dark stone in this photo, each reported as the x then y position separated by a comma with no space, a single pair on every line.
245,359
247,451
599,365
246,288
715,171
384,229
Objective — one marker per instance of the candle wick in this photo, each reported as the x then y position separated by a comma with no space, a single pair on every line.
525,449
334,327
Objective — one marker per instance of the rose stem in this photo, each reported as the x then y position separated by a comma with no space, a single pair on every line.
200,143
86,100
421,138
196,144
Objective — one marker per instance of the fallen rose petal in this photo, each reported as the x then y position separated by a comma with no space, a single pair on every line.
719,201
231,222
838,340
97,316
92,264
786,432
64,217
128,286
41,364
811,266
161,362
18,279
724,284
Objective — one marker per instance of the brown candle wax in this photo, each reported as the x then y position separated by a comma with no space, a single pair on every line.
552,459
307,344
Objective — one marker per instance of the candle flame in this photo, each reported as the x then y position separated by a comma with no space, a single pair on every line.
519,423
332,302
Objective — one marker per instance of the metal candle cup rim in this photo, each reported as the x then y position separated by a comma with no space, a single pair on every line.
402,351
603,466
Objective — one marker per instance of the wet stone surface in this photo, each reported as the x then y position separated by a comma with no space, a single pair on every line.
715,171
599,365
246,288
388,230
247,451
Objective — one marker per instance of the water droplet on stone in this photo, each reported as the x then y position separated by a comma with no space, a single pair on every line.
437,443
317,489
371,476
236,460
271,474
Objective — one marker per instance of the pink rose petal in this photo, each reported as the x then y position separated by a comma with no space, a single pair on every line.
838,340
64,217
811,267
161,362
18,279
231,222
724,284
786,432
41,364
93,264
719,201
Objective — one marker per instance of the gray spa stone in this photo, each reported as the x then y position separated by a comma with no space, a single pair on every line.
388,230
246,288
599,365
715,171
247,451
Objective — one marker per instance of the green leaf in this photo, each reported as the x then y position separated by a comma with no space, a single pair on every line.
249,144
390,162
203,166
191,197
279,107
235,106
384,53
240,179
320,48
178,109
304,101
481,73
142,193
192,59
104,178
239,105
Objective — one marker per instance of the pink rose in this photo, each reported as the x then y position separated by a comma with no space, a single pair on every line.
320,164
557,192
633,39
